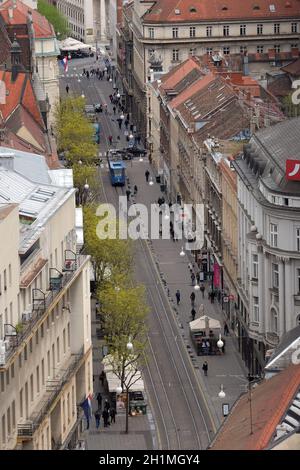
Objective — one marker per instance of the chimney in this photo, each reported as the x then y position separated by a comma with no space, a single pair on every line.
29,14
10,12
15,54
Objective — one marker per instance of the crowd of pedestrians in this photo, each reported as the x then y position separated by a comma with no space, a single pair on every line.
108,414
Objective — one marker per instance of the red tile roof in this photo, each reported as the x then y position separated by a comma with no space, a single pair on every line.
197,86
270,401
42,27
183,10
293,68
174,76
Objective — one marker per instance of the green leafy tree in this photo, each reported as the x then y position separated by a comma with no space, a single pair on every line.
57,19
75,132
111,258
83,175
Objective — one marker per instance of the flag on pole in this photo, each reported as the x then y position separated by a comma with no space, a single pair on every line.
86,405
65,63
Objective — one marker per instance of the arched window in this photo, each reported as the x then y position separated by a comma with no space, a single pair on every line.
274,321
298,320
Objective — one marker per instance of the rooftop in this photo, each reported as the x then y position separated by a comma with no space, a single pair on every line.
168,11
272,402
37,203
42,27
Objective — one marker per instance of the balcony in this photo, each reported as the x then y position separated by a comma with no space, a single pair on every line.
53,388
40,306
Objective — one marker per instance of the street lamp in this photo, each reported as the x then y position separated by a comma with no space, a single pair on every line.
82,95
122,116
141,159
118,95
196,286
151,182
221,393
130,135
220,343
182,253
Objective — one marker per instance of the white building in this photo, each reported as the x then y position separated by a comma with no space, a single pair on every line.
45,327
269,241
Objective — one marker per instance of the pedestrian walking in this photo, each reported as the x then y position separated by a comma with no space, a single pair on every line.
112,415
193,313
202,288
110,139
114,109
205,368
67,88
102,377
226,330
128,117
192,297
105,416
178,296
128,192
105,108
106,405
198,278
147,174
135,189
97,418
99,400
193,279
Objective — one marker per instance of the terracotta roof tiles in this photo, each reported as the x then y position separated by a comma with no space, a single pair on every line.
171,11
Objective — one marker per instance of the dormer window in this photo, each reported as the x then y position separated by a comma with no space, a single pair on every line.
224,8
193,10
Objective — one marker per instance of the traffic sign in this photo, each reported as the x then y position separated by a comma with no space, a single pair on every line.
225,299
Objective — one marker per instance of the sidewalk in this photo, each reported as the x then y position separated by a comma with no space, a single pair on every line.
227,369
141,428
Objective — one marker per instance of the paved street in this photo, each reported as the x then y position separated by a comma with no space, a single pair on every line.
185,405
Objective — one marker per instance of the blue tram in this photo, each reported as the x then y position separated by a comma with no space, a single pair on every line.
117,172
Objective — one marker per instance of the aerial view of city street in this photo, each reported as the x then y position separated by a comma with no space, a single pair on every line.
150,227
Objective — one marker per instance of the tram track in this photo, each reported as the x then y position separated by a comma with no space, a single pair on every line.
177,408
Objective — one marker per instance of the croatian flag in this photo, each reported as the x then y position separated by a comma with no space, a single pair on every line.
65,63
86,405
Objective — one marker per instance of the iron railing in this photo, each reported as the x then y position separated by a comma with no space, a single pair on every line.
39,310
28,428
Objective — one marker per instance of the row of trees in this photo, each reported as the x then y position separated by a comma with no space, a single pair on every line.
75,134
122,303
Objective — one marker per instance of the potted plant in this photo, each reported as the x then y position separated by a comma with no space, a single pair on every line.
19,327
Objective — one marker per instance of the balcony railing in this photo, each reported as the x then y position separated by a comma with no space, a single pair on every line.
39,308
28,428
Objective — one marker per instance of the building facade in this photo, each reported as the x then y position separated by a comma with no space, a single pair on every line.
268,241
165,34
45,329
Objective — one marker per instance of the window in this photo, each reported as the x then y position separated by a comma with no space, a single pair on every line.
255,309
259,29
13,414
294,27
9,274
260,49
298,239
193,51
0,286
277,28
294,46
4,279
8,422
12,371
277,48
25,353
43,372
7,377
37,379
274,320
209,50
31,388
242,29
68,408
192,31
175,32
30,345
2,381
275,275
226,50
48,363
69,339
175,55
3,430
255,266
274,235
42,330
37,337
73,400
64,340
58,350
225,30
151,33
298,280
208,31
243,49
20,360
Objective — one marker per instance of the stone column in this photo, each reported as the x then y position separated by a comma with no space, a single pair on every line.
102,20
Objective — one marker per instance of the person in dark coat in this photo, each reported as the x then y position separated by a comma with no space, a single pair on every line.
99,400
192,297
67,88
97,418
112,415
147,174
128,192
135,189
205,368
193,278
102,377
193,313
105,416
178,296
202,288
